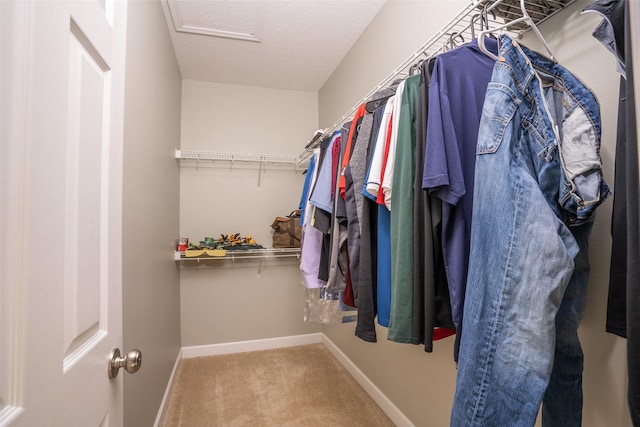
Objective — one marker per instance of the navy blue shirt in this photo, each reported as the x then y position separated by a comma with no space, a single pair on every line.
456,95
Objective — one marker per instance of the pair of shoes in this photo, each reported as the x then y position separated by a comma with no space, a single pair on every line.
236,239
191,253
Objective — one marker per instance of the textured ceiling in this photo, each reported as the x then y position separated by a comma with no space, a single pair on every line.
283,44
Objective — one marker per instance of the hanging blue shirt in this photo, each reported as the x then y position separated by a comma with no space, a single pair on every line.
306,187
321,194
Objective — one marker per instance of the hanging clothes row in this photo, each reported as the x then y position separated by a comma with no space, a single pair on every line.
380,167
459,201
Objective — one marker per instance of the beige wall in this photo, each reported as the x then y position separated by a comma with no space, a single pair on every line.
151,288
401,27
420,384
229,301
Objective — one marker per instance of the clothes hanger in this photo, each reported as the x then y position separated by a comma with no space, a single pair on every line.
526,19
484,21
472,25
451,43
415,67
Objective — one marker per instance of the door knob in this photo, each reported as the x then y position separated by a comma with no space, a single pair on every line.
131,362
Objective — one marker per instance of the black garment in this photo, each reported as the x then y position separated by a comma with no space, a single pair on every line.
617,302
623,308
432,307
368,267
633,237
610,32
422,327
613,24
368,286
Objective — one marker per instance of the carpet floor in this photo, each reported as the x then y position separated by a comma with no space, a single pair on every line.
295,386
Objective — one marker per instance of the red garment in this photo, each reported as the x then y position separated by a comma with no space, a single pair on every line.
441,333
348,298
360,112
380,199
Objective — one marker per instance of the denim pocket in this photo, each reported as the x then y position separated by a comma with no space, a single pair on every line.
500,104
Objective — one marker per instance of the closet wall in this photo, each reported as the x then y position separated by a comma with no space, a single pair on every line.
223,300
151,182
422,384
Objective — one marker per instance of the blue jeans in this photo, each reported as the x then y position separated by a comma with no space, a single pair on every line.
538,181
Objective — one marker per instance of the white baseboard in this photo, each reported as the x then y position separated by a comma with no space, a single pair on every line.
167,391
372,390
256,345
392,411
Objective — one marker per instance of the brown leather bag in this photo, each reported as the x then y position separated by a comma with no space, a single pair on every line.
287,230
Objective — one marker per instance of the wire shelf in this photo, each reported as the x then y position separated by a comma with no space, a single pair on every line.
266,253
275,159
460,29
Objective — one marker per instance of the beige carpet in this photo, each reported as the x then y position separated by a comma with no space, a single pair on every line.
294,386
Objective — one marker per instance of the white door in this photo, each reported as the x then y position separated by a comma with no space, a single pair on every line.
62,97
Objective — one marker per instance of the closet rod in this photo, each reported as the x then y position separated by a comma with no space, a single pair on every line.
541,10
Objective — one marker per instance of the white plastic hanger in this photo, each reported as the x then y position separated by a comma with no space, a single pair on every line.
526,19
